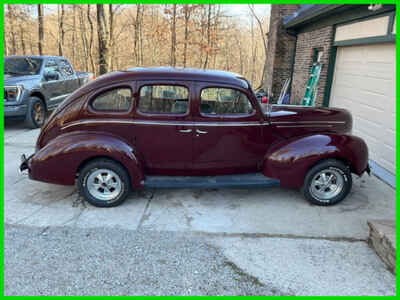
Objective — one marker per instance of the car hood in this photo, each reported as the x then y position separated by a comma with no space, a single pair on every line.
15,80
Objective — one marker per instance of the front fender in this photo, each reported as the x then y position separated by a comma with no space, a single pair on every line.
290,160
59,160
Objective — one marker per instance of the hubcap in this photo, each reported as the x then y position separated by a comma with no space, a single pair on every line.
327,184
104,184
38,113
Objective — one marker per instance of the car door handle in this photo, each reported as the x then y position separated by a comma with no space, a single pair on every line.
200,131
185,130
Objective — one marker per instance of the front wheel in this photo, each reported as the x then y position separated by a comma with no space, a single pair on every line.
104,183
327,183
36,114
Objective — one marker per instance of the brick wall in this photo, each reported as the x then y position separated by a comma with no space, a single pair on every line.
280,49
306,43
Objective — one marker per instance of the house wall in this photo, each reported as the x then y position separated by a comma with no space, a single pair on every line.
307,42
280,49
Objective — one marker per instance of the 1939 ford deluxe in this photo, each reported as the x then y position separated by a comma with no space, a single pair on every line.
186,127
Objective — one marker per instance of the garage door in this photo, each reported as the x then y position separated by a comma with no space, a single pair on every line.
364,83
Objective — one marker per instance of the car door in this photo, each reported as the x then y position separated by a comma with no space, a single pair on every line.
71,80
54,89
163,129
229,131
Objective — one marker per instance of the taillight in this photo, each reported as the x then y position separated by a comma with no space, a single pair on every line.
264,100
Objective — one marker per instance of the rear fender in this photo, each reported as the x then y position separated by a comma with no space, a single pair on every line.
290,160
58,162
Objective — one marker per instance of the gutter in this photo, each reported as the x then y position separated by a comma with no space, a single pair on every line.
307,18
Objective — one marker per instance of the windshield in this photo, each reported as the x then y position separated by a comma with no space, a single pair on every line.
20,66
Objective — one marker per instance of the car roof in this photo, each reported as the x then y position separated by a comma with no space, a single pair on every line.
169,73
35,56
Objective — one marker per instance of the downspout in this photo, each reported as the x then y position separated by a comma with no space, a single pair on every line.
292,33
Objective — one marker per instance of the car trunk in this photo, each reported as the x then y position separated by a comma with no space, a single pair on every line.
292,120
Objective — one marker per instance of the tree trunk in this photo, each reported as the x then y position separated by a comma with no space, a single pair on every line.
40,28
61,31
173,37
90,44
263,36
11,15
110,37
208,36
102,37
187,18
73,48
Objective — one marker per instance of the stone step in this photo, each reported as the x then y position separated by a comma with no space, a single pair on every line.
382,238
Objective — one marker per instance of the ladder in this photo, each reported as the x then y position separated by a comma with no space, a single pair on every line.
312,86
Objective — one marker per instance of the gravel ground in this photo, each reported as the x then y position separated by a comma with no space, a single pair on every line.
72,261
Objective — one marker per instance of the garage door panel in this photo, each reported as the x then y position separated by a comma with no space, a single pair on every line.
364,83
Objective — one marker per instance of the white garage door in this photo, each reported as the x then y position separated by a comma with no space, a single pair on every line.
364,83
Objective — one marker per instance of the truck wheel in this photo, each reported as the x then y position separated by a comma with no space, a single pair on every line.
327,183
36,114
104,183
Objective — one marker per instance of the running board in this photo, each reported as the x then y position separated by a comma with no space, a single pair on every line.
238,181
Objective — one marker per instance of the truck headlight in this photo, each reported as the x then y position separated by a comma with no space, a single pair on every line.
12,93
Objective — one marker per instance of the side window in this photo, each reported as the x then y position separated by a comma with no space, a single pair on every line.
164,99
66,67
224,101
119,99
52,66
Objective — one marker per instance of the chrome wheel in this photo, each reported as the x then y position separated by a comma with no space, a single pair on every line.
104,184
327,184
38,113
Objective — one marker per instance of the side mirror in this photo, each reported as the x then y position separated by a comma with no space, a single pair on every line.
51,75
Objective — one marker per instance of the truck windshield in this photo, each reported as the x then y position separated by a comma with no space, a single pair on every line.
20,66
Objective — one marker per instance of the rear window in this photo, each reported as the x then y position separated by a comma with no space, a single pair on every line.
118,99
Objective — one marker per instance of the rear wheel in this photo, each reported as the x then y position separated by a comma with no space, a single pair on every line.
327,183
36,114
104,183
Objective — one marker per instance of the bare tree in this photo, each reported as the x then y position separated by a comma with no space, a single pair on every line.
90,42
263,36
11,13
173,37
40,28
102,37
61,30
208,36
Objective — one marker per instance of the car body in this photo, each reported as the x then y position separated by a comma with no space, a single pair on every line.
189,122
42,80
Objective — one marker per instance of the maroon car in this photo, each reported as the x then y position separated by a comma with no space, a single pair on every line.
165,127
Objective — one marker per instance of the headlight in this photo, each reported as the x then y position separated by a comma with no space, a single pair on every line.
12,93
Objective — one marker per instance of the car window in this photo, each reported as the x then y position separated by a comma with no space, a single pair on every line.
119,99
52,66
66,67
20,66
163,99
224,101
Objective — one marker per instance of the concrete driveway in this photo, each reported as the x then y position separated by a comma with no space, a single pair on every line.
272,234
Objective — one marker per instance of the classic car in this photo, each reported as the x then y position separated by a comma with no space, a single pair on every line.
170,127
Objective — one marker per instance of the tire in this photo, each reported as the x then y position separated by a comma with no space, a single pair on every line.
92,178
320,189
35,107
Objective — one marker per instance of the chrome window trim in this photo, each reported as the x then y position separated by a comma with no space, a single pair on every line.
166,123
